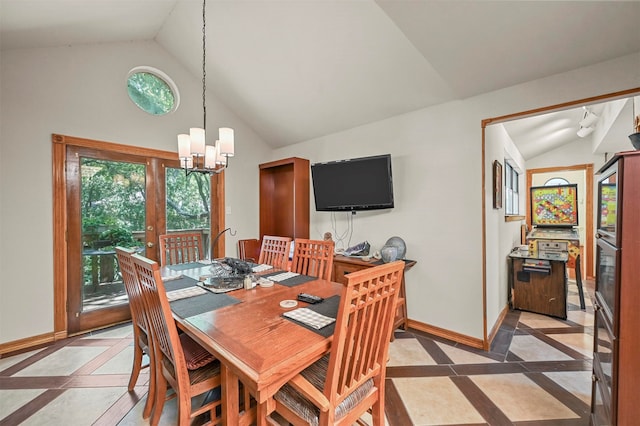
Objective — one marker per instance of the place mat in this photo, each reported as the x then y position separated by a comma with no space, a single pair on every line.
308,317
289,282
207,302
329,308
261,268
184,293
178,283
185,266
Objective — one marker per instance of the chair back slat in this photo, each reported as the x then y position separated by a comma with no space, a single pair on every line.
313,257
184,247
363,330
275,251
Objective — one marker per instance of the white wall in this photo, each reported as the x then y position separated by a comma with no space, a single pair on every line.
437,166
501,236
81,91
436,162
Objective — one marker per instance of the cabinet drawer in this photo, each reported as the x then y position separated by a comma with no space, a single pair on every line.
341,269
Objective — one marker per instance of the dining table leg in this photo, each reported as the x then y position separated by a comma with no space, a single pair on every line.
230,396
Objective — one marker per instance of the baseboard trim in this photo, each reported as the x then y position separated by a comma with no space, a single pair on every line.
22,345
496,327
474,342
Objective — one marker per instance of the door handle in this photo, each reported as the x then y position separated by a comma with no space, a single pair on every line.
150,244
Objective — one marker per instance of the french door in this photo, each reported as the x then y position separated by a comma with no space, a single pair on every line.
122,197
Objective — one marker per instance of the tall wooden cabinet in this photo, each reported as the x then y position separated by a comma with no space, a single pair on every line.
616,358
284,198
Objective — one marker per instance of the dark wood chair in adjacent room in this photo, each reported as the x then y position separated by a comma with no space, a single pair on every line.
180,361
313,257
249,249
184,247
350,380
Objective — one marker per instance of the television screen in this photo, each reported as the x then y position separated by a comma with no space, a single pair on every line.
355,184
554,205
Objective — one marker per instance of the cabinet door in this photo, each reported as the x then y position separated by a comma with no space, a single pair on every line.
607,277
605,348
599,411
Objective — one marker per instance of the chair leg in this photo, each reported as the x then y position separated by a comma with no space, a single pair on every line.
160,393
377,414
151,394
137,366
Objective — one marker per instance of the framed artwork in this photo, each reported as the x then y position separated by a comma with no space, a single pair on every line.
497,185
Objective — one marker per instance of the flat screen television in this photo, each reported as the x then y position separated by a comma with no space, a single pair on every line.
554,205
355,184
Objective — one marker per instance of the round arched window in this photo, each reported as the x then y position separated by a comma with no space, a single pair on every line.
152,90
556,181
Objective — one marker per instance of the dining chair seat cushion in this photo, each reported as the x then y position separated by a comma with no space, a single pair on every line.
195,355
316,375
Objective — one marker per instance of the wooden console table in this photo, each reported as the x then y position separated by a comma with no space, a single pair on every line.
343,265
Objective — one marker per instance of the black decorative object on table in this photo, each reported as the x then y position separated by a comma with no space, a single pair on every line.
309,298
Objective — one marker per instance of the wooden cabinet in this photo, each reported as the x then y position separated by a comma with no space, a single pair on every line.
343,265
539,289
284,198
616,357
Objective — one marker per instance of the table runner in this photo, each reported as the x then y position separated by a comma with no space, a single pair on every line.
293,281
329,308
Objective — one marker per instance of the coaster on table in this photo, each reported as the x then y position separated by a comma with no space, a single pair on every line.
288,304
263,282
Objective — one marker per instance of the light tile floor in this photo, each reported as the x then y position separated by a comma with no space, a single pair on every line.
536,373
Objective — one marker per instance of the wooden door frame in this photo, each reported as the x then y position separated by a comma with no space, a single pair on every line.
488,335
60,213
588,178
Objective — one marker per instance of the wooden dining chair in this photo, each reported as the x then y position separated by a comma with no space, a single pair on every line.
275,251
180,361
184,247
249,249
141,333
349,381
313,257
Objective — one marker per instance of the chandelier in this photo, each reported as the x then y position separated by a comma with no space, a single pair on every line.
194,153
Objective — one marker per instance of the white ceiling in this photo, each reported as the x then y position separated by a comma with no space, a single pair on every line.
294,70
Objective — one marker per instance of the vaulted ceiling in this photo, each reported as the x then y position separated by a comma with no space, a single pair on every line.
294,70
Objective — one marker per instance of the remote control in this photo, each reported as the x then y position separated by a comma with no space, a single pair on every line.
309,298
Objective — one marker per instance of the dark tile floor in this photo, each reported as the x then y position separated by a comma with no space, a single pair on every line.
538,372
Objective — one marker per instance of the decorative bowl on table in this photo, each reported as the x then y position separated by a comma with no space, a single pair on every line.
399,244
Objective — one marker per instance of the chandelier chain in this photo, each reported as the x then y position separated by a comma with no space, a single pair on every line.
204,63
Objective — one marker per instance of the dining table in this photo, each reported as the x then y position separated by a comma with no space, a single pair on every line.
245,329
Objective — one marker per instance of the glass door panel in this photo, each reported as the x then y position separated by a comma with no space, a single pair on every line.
113,213
188,202
108,206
